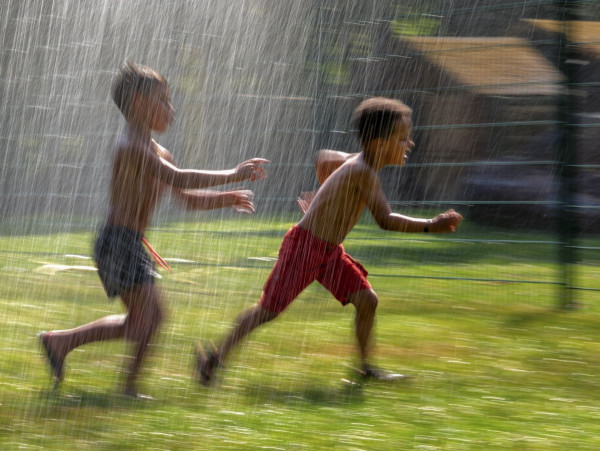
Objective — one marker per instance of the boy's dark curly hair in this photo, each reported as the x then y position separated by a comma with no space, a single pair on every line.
375,117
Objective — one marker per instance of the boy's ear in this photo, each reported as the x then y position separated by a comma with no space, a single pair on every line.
139,105
376,143
137,101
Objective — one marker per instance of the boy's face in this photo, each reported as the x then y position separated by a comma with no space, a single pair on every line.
399,144
159,109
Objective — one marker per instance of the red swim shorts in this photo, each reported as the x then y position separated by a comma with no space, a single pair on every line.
304,258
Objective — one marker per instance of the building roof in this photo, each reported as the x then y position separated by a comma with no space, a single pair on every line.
492,66
585,33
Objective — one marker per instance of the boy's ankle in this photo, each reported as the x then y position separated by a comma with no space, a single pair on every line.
207,362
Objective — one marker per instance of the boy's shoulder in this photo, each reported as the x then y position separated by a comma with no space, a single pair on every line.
141,150
130,153
346,164
356,165
354,172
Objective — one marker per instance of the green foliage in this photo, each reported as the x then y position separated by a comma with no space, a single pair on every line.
414,21
496,365
336,73
423,26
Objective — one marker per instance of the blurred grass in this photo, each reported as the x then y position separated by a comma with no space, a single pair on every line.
496,365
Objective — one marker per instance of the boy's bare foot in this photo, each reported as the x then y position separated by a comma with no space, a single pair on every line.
206,363
368,372
55,360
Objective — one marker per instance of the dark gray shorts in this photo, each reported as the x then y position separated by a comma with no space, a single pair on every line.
122,260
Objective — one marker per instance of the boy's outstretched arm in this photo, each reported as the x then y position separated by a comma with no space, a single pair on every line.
381,211
238,199
171,175
163,166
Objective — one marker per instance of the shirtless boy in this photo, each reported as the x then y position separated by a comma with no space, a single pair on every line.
142,172
312,250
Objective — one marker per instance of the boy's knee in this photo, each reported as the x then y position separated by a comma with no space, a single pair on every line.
158,314
365,300
153,315
145,318
142,326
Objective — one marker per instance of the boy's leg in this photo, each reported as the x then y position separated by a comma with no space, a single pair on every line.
346,279
294,270
57,344
144,317
247,321
365,302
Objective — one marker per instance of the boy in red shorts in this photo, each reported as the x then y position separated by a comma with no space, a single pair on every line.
312,249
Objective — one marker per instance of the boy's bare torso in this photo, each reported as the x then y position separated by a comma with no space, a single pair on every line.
340,201
135,189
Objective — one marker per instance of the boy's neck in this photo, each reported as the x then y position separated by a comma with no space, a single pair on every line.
372,156
136,133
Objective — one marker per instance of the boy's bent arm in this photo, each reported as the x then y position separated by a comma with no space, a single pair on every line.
327,161
381,211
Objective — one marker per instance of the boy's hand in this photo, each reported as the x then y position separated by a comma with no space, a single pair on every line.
445,222
251,169
304,200
240,200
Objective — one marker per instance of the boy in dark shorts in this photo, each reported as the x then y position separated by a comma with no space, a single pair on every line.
312,250
142,171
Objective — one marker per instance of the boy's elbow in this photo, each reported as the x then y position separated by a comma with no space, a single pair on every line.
383,223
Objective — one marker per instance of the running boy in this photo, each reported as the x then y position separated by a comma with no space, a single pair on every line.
312,250
142,171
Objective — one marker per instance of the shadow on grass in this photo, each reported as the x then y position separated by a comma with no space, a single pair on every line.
448,253
345,393
557,316
54,401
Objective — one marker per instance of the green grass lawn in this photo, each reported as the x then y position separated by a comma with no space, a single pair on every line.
472,317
